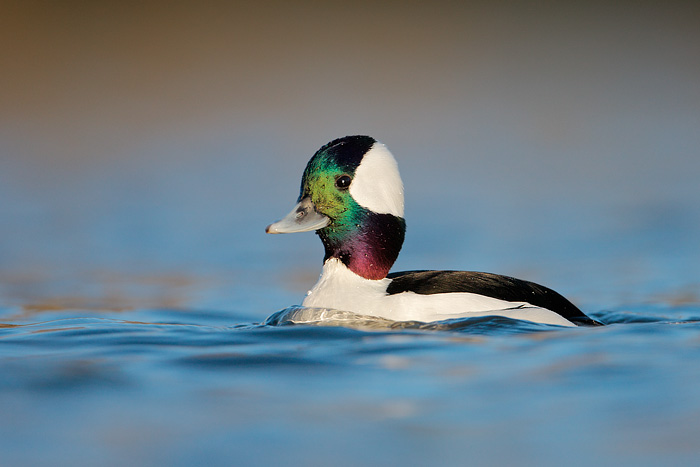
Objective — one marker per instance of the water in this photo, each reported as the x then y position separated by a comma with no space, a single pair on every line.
179,388
144,148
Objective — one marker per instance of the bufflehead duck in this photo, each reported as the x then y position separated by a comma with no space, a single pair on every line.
352,196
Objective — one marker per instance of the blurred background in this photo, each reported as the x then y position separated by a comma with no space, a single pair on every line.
145,146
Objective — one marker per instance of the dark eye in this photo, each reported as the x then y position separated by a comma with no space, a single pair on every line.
343,181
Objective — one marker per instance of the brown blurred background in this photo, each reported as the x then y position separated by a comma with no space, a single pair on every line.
167,134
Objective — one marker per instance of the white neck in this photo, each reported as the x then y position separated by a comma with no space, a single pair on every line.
341,289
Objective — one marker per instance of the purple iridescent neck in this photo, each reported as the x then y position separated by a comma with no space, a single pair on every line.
370,248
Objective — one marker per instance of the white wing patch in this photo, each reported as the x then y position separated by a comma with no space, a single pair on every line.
377,184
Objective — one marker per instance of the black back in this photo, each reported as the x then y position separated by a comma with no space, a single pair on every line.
491,285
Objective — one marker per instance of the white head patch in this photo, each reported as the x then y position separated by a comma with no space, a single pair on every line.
377,184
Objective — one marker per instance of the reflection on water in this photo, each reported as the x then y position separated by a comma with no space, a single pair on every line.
330,317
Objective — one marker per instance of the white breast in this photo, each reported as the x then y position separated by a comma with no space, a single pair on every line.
341,289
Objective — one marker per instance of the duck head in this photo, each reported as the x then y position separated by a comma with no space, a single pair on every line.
352,196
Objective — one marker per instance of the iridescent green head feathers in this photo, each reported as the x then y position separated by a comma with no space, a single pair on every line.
352,195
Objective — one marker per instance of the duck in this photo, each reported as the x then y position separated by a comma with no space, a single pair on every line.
352,196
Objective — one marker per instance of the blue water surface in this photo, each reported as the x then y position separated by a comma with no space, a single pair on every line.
181,387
